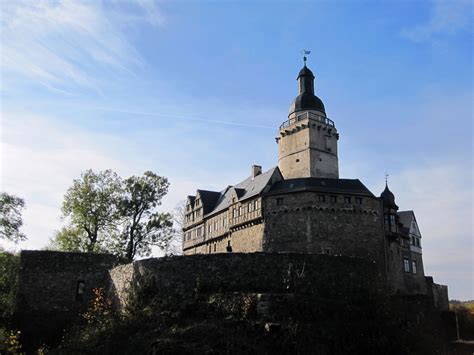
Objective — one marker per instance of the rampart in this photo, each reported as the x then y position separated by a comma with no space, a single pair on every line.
328,277
333,291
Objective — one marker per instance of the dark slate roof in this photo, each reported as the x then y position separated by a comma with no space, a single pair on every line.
192,199
388,198
307,101
208,199
406,217
244,190
306,71
348,186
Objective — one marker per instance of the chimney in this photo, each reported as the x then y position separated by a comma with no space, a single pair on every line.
256,170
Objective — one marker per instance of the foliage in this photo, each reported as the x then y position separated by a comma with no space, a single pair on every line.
465,318
11,208
108,214
72,239
9,264
11,341
142,226
100,313
91,205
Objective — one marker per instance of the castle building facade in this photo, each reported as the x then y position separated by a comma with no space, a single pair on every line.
303,206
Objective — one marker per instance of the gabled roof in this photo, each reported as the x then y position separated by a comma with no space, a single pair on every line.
208,199
348,186
406,217
191,199
248,188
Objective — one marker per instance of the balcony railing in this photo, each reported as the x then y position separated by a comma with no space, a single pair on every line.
307,115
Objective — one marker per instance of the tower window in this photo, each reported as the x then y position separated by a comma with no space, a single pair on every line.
406,265
347,199
358,200
322,198
280,201
413,266
333,199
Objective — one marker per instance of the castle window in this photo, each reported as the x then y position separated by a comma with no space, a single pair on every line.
333,199
256,205
215,247
406,265
215,225
224,221
209,228
280,201
210,250
347,199
234,213
358,200
418,243
413,266
322,198
81,288
199,231
250,206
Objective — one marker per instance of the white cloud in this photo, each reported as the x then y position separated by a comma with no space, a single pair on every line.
447,16
63,42
38,161
40,156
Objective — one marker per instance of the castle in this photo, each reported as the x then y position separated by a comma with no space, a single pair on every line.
303,206
294,235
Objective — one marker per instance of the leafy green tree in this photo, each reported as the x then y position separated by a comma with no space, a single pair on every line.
142,226
11,208
91,204
72,239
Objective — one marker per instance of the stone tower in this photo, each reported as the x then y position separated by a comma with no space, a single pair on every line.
307,141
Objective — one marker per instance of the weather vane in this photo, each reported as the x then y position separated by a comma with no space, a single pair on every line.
386,178
305,53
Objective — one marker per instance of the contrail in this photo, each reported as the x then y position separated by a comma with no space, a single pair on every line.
185,118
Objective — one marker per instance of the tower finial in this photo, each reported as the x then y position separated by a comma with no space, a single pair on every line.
305,52
386,179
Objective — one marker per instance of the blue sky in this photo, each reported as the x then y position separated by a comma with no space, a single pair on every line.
195,91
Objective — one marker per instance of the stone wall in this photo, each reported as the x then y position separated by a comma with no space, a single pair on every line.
301,223
247,239
438,294
324,276
48,295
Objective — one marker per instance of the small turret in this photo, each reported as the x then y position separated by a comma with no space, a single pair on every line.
390,208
